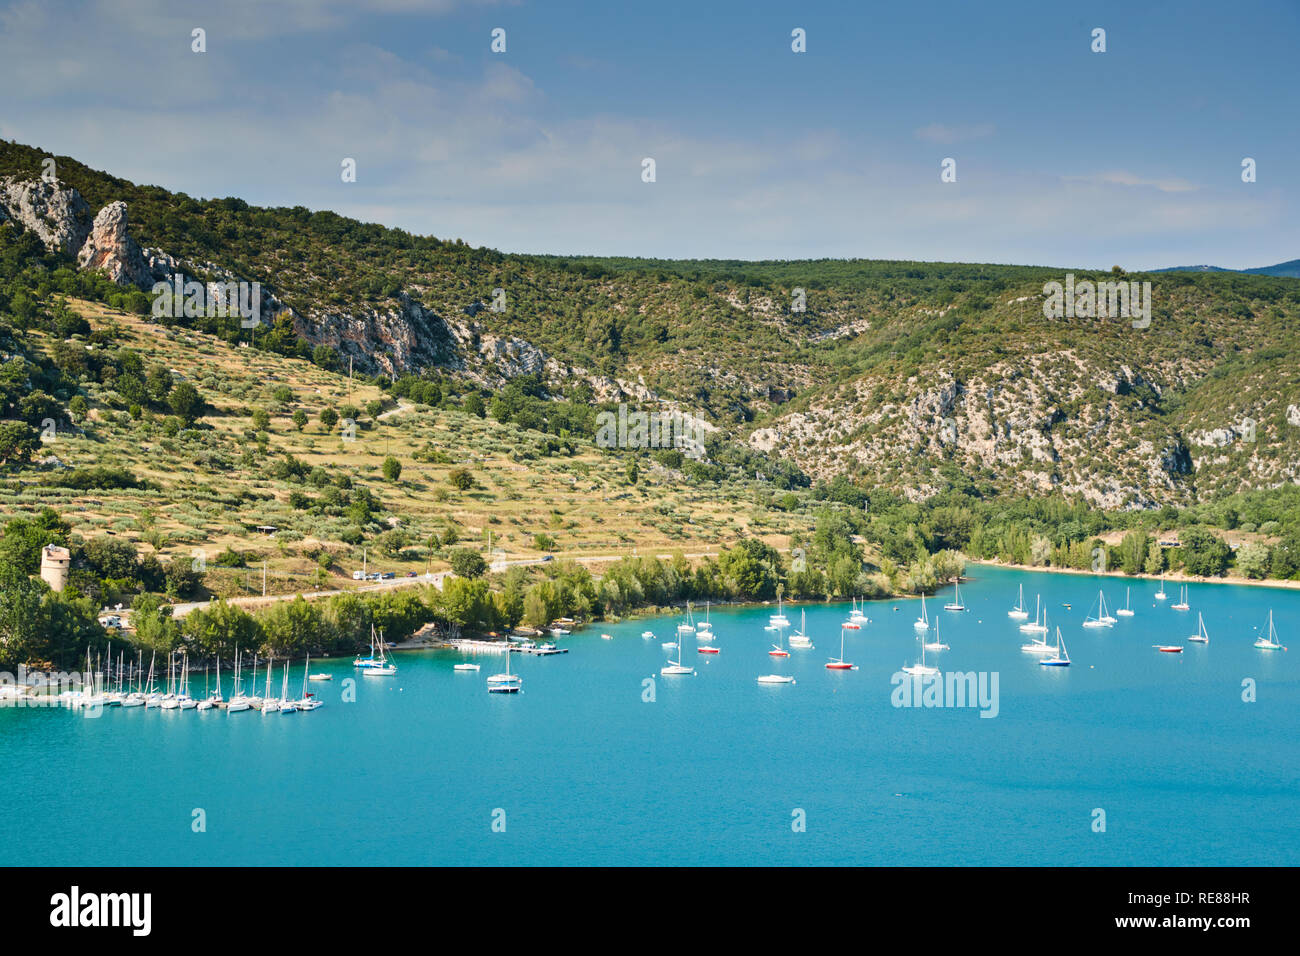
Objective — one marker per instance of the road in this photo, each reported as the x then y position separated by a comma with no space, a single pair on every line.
437,579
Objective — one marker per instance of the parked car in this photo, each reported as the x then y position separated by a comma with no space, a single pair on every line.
387,574
548,557
358,575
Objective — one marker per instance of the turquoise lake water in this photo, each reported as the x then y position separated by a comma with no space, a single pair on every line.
714,770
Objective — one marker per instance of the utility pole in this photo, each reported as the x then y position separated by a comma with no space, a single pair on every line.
263,577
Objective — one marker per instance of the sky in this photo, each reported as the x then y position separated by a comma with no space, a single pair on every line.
1063,156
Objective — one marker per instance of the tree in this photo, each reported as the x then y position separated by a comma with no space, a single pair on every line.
261,419
183,580
392,468
467,563
1204,554
299,419
474,405
186,403
460,478
328,417
1155,562
1254,559
18,442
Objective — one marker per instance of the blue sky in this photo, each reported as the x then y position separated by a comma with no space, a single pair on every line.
1064,156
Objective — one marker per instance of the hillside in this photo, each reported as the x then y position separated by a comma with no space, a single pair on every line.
376,409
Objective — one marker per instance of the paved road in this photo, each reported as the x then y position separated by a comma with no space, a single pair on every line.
437,579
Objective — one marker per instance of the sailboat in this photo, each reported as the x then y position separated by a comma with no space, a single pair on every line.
506,683
936,644
1268,641
1127,609
775,679
688,625
1161,595
170,701
1202,636
211,698
920,668
1039,611
287,706
136,697
1018,613
675,669
778,649
1039,645
839,663
1182,604
151,697
858,614
237,700
381,666
704,628
779,618
309,701
1102,619
956,604
800,637
186,701
270,705
1061,658
922,622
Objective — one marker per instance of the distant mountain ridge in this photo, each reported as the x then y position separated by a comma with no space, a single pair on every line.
1285,270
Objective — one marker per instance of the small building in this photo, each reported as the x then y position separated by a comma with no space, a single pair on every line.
54,566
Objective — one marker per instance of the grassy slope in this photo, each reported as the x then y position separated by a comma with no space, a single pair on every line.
208,498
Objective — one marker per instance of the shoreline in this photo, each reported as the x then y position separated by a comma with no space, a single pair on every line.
1178,578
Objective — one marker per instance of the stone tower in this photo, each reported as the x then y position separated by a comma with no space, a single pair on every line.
54,566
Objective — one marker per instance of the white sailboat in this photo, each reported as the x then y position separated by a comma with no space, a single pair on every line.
1037,626
922,622
186,701
308,701
800,637
858,614
775,679
1268,641
688,625
1018,613
920,668
238,702
1161,595
381,666
1039,645
704,628
1061,658
287,706
505,683
779,618
1202,636
1127,609
1182,604
936,644
676,669
955,604
1102,619
270,705
136,697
